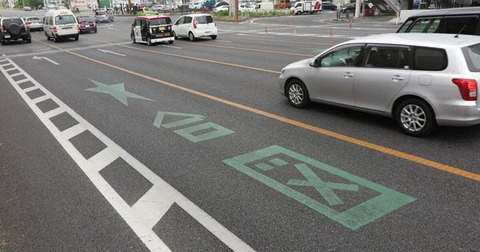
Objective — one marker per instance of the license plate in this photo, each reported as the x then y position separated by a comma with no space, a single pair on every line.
87,26
65,28
7,35
161,28
207,32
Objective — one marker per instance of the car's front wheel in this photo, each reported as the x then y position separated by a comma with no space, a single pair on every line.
297,94
214,36
415,117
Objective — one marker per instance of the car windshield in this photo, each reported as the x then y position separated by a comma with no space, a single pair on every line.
65,19
33,19
100,13
204,19
160,21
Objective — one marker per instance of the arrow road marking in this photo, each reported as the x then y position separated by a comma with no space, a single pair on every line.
111,52
47,59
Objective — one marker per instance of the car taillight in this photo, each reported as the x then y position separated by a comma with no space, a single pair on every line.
78,26
55,29
468,88
194,23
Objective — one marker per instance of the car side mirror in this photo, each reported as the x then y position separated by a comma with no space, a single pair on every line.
315,62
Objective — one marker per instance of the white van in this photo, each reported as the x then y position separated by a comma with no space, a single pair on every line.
264,6
59,24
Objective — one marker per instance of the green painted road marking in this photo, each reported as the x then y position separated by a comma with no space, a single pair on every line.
386,200
191,119
116,90
218,131
206,131
324,188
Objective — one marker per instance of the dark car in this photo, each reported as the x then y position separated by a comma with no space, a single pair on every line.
12,29
350,8
152,29
87,24
328,6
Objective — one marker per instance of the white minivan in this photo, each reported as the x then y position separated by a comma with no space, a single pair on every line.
59,24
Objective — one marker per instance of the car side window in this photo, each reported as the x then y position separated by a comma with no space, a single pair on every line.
180,21
342,57
430,59
396,57
463,25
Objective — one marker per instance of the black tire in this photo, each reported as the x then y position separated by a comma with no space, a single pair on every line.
297,94
95,31
175,35
4,42
76,37
55,39
415,117
213,36
191,36
170,42
149,42
29,40
46,35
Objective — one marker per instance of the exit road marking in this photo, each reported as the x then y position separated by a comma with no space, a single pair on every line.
386,200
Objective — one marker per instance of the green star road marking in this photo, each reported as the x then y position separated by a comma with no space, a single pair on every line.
117,91
361,213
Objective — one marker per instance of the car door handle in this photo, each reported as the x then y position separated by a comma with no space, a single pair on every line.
397,78
347,75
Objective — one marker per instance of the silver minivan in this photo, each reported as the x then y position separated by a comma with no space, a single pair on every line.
421,81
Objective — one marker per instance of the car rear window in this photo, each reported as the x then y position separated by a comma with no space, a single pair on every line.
160,21
65,19
9,21
33,19
86,19
204,19
430,59
472,56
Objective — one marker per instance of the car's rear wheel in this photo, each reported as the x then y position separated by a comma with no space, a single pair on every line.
191,36
415,117
4,42
132,36
175,35
214,36
55,39
170,42
29,40
297,94
46,35
149,41
76,37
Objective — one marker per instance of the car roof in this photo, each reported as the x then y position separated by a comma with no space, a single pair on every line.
198,15
441,40
450,11
152,17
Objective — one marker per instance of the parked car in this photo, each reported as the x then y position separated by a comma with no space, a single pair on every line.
195,26
350,8
421,81
465,20
152,30
34,23
27,8
195,6
12,29
102,16
328,6
87,24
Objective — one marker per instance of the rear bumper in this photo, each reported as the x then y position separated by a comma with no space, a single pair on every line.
159,40
23,35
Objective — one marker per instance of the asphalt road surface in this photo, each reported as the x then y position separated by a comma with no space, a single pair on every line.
107,145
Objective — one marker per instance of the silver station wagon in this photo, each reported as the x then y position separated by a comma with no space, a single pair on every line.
420,80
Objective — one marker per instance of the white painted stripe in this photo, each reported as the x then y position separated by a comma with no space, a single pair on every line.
26,90
142,216
41,98
22,81
54,112
15,75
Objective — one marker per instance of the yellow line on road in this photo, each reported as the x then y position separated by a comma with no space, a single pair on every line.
379,148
